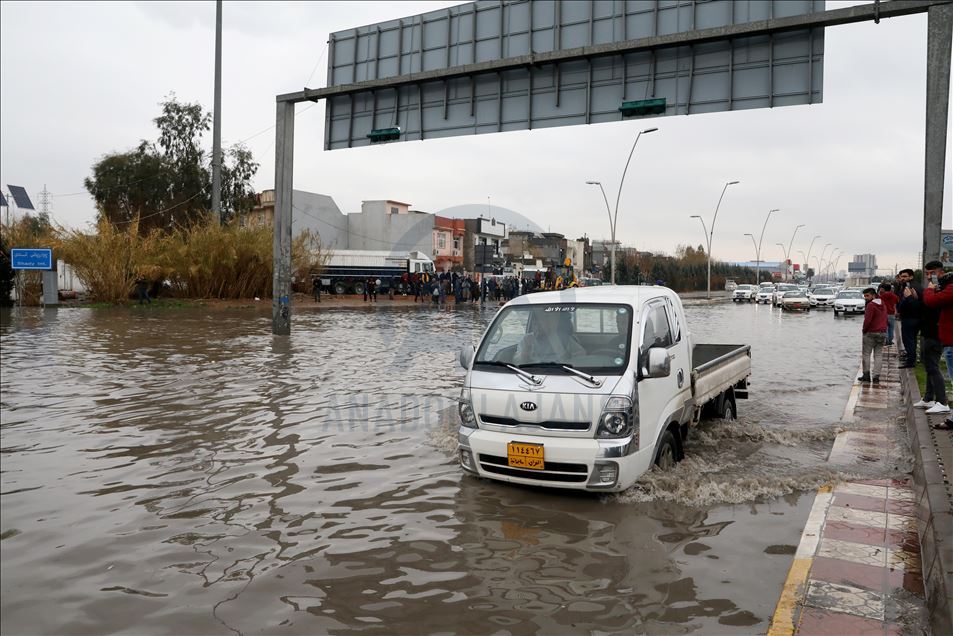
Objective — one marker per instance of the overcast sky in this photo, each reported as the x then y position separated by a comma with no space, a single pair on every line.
84,79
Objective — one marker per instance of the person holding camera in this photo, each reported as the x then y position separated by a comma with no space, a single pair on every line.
938,296
910,310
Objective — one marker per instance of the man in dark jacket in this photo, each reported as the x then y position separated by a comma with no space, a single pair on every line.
874,333
910,310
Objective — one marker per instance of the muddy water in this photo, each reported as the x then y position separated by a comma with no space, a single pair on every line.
182,471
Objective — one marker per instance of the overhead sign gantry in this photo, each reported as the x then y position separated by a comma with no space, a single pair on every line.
497,66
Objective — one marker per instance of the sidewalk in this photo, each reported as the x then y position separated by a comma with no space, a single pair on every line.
857,568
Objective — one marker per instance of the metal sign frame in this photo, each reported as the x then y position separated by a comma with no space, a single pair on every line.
939,36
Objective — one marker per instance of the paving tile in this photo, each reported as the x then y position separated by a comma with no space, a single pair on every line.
819,622
857,534
908,508
901,522
865,489
912,582
897,539
902,494
854,552
904,560
845,598
859,517
838,572
860,502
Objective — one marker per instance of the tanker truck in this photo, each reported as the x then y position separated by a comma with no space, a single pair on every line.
347,271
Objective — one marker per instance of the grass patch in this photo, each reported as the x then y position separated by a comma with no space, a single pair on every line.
921,374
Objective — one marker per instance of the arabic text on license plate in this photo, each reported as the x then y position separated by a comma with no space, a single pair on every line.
522,455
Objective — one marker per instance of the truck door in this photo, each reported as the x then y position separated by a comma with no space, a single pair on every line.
658,397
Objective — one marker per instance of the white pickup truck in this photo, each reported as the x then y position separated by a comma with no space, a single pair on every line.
587,388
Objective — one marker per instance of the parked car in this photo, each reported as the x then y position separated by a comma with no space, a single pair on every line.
780,291
588,389
822,297
730,285
849,302
795,300
744,294
765,293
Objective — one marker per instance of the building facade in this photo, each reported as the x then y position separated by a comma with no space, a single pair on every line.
448,237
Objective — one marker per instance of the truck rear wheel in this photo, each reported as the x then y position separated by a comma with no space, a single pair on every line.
340,288
358,287
667,454
728,411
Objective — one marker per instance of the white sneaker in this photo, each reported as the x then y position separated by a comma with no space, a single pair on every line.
924,405
938,408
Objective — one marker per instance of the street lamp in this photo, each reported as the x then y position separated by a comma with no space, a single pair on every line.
614,218
784,252
807,263
710,233
791,244
758,249
822,253
757,259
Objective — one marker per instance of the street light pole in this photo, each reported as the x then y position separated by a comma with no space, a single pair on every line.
758,281
711,232
807,262
757,260
783,251
791,244
615,218
611,224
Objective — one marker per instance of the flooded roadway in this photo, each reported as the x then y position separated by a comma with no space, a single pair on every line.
183,471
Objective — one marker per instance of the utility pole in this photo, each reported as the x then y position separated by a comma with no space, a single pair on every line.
217,120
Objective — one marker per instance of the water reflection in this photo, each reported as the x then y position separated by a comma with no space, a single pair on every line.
184,471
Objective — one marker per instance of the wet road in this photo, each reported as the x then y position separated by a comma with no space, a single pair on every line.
182,471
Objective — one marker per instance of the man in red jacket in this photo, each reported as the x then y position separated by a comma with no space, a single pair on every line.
874,334
890,301
939,294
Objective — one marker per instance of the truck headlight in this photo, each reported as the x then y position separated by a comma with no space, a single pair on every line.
467,417
617,418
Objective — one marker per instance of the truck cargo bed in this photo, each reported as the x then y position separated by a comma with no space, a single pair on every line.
718,367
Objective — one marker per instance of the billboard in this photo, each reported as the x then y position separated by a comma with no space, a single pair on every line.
594,86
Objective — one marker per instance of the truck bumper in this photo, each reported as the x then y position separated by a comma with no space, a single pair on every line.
569,462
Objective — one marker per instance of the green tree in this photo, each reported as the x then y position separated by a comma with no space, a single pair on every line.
169,184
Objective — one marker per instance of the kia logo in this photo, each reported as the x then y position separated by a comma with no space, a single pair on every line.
528,406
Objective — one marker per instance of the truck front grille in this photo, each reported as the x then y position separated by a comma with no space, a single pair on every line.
555,471
551,425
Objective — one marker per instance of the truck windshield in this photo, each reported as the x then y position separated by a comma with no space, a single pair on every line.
591,337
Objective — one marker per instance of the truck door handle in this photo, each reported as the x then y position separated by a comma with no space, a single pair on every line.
681,378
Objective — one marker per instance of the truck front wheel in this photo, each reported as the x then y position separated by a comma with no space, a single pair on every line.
667,454
340,288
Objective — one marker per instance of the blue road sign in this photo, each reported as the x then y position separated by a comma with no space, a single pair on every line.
31,258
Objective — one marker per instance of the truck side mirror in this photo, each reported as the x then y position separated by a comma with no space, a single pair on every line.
466,356
657,364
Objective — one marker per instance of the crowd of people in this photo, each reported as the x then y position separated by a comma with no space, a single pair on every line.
924,317
465,288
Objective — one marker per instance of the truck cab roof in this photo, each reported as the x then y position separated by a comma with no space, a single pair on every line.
634,295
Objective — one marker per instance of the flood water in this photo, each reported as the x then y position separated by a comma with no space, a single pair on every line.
183,471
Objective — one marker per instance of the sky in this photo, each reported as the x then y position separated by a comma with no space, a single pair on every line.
81,80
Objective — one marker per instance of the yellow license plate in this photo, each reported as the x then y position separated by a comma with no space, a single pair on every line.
522,455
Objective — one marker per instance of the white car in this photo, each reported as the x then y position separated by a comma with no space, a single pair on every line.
781,290
822,297
765,294
795,300
849,302
744,294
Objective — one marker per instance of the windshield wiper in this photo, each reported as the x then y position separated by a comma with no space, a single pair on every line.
529,377
592,380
